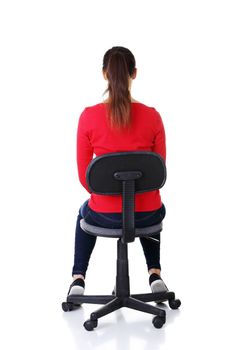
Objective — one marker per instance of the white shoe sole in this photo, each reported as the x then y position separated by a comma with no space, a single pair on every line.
158,286
78,290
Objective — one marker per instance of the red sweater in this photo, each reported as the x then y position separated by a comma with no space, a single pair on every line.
95,137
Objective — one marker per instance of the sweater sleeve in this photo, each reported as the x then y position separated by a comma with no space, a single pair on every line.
159,145
84,149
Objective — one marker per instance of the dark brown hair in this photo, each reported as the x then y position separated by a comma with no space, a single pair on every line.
118,64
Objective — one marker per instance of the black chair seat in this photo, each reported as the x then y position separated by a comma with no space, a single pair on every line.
117,232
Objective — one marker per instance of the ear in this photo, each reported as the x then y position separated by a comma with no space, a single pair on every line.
134,73
104,75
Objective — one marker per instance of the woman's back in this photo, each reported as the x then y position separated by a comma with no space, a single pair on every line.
95,137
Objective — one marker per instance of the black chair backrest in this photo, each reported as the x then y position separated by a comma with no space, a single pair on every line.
126,173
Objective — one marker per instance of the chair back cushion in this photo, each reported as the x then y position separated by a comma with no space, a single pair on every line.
100,171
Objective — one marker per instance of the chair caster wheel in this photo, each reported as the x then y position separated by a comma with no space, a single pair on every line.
158,321
67,306
89,325
174,303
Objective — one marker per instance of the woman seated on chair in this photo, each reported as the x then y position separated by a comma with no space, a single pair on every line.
118,124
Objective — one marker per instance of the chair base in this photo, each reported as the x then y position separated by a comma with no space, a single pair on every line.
113,303
122,297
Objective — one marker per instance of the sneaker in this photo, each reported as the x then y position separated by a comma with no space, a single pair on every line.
77,287
157,284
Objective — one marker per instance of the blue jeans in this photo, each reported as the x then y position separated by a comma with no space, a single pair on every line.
84,243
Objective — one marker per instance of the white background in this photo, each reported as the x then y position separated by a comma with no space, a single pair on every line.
51,61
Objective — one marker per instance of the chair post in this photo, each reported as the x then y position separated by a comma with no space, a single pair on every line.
128,223
122,277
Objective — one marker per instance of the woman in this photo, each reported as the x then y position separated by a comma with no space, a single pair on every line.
118,124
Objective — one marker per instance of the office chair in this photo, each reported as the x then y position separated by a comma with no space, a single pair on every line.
124,173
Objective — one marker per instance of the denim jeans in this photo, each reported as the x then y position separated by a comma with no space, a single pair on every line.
84,243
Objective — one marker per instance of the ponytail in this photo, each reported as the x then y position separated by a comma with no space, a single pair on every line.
119,64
